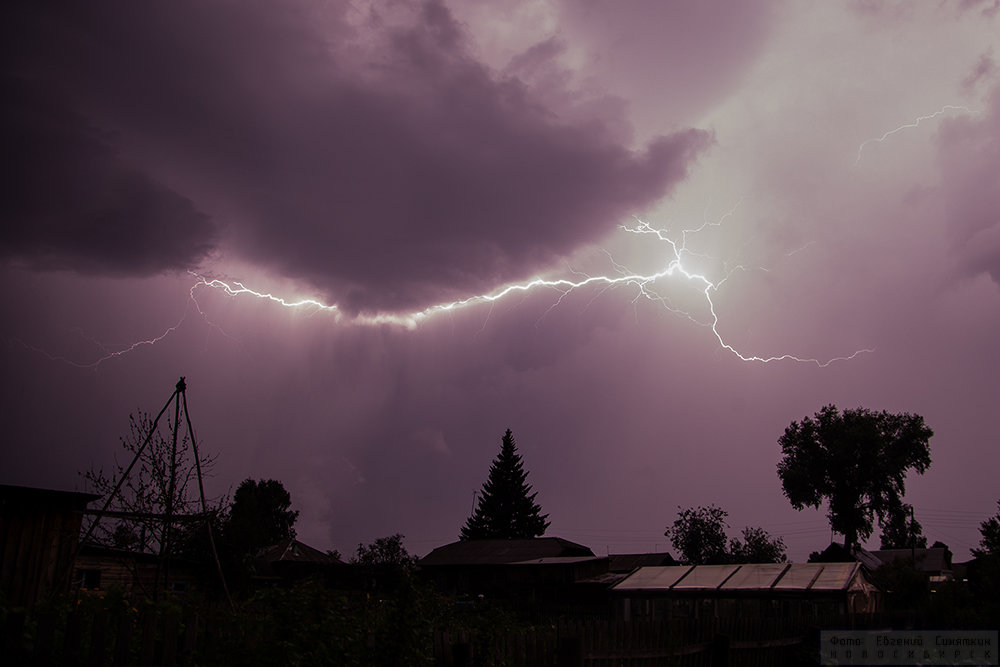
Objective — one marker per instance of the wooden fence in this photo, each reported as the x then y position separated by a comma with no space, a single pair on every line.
161,638
598,643
104,639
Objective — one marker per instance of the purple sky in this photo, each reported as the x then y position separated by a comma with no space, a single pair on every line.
836,165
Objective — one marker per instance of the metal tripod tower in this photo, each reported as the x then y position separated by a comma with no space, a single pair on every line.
179,400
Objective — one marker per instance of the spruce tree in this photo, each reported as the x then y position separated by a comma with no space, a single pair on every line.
507,508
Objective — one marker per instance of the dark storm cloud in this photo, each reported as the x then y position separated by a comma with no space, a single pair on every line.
373,157
70,202
969,159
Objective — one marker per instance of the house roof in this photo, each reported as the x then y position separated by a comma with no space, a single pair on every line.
293,551
31,496
502,552
559,560
934,559
787,577
837,553
629,562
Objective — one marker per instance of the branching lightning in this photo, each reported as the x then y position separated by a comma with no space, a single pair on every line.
877,140
643,284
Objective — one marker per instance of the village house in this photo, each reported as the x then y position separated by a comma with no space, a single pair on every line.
100,569
532,570
291,560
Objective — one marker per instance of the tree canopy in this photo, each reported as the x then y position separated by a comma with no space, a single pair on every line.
699,535
757,546
385,552
506,508
259,517
989,544
856,461
902,531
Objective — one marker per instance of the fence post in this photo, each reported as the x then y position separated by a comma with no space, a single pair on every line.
98,639
461,654
44,638
12,642
170,633
74,638
148,646
123,640
720,650
189,643
570,652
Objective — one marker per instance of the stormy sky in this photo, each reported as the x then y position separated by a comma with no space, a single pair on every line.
767,207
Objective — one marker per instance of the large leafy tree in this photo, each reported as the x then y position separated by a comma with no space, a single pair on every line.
506,508
989,545
258,517
757,546
902,531
856,461
699,535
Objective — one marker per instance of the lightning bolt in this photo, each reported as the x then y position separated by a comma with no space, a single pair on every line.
109,354
643,284
945,109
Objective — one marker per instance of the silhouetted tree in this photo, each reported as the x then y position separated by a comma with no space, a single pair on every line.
989,544
385,552
699,535
902,531
856,461
385,564
258,517
757,547
507,507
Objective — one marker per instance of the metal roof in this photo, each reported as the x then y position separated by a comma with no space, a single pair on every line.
834,576
559,560
755,577
502,552
654,577
747,577
702,577
628,562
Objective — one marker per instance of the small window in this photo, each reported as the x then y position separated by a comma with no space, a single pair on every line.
88,579
178,586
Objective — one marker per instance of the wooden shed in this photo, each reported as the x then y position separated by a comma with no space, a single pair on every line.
39,533
773,590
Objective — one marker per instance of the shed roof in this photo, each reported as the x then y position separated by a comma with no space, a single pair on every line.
291,550
629,562
559,560
12,495
934,559
502,552
755,577
748,577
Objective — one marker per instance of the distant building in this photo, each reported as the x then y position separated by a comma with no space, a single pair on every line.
533,570
772,590
838,553
101,568
39,533
935,562
292,560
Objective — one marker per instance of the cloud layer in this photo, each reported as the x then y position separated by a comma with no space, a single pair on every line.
370,156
